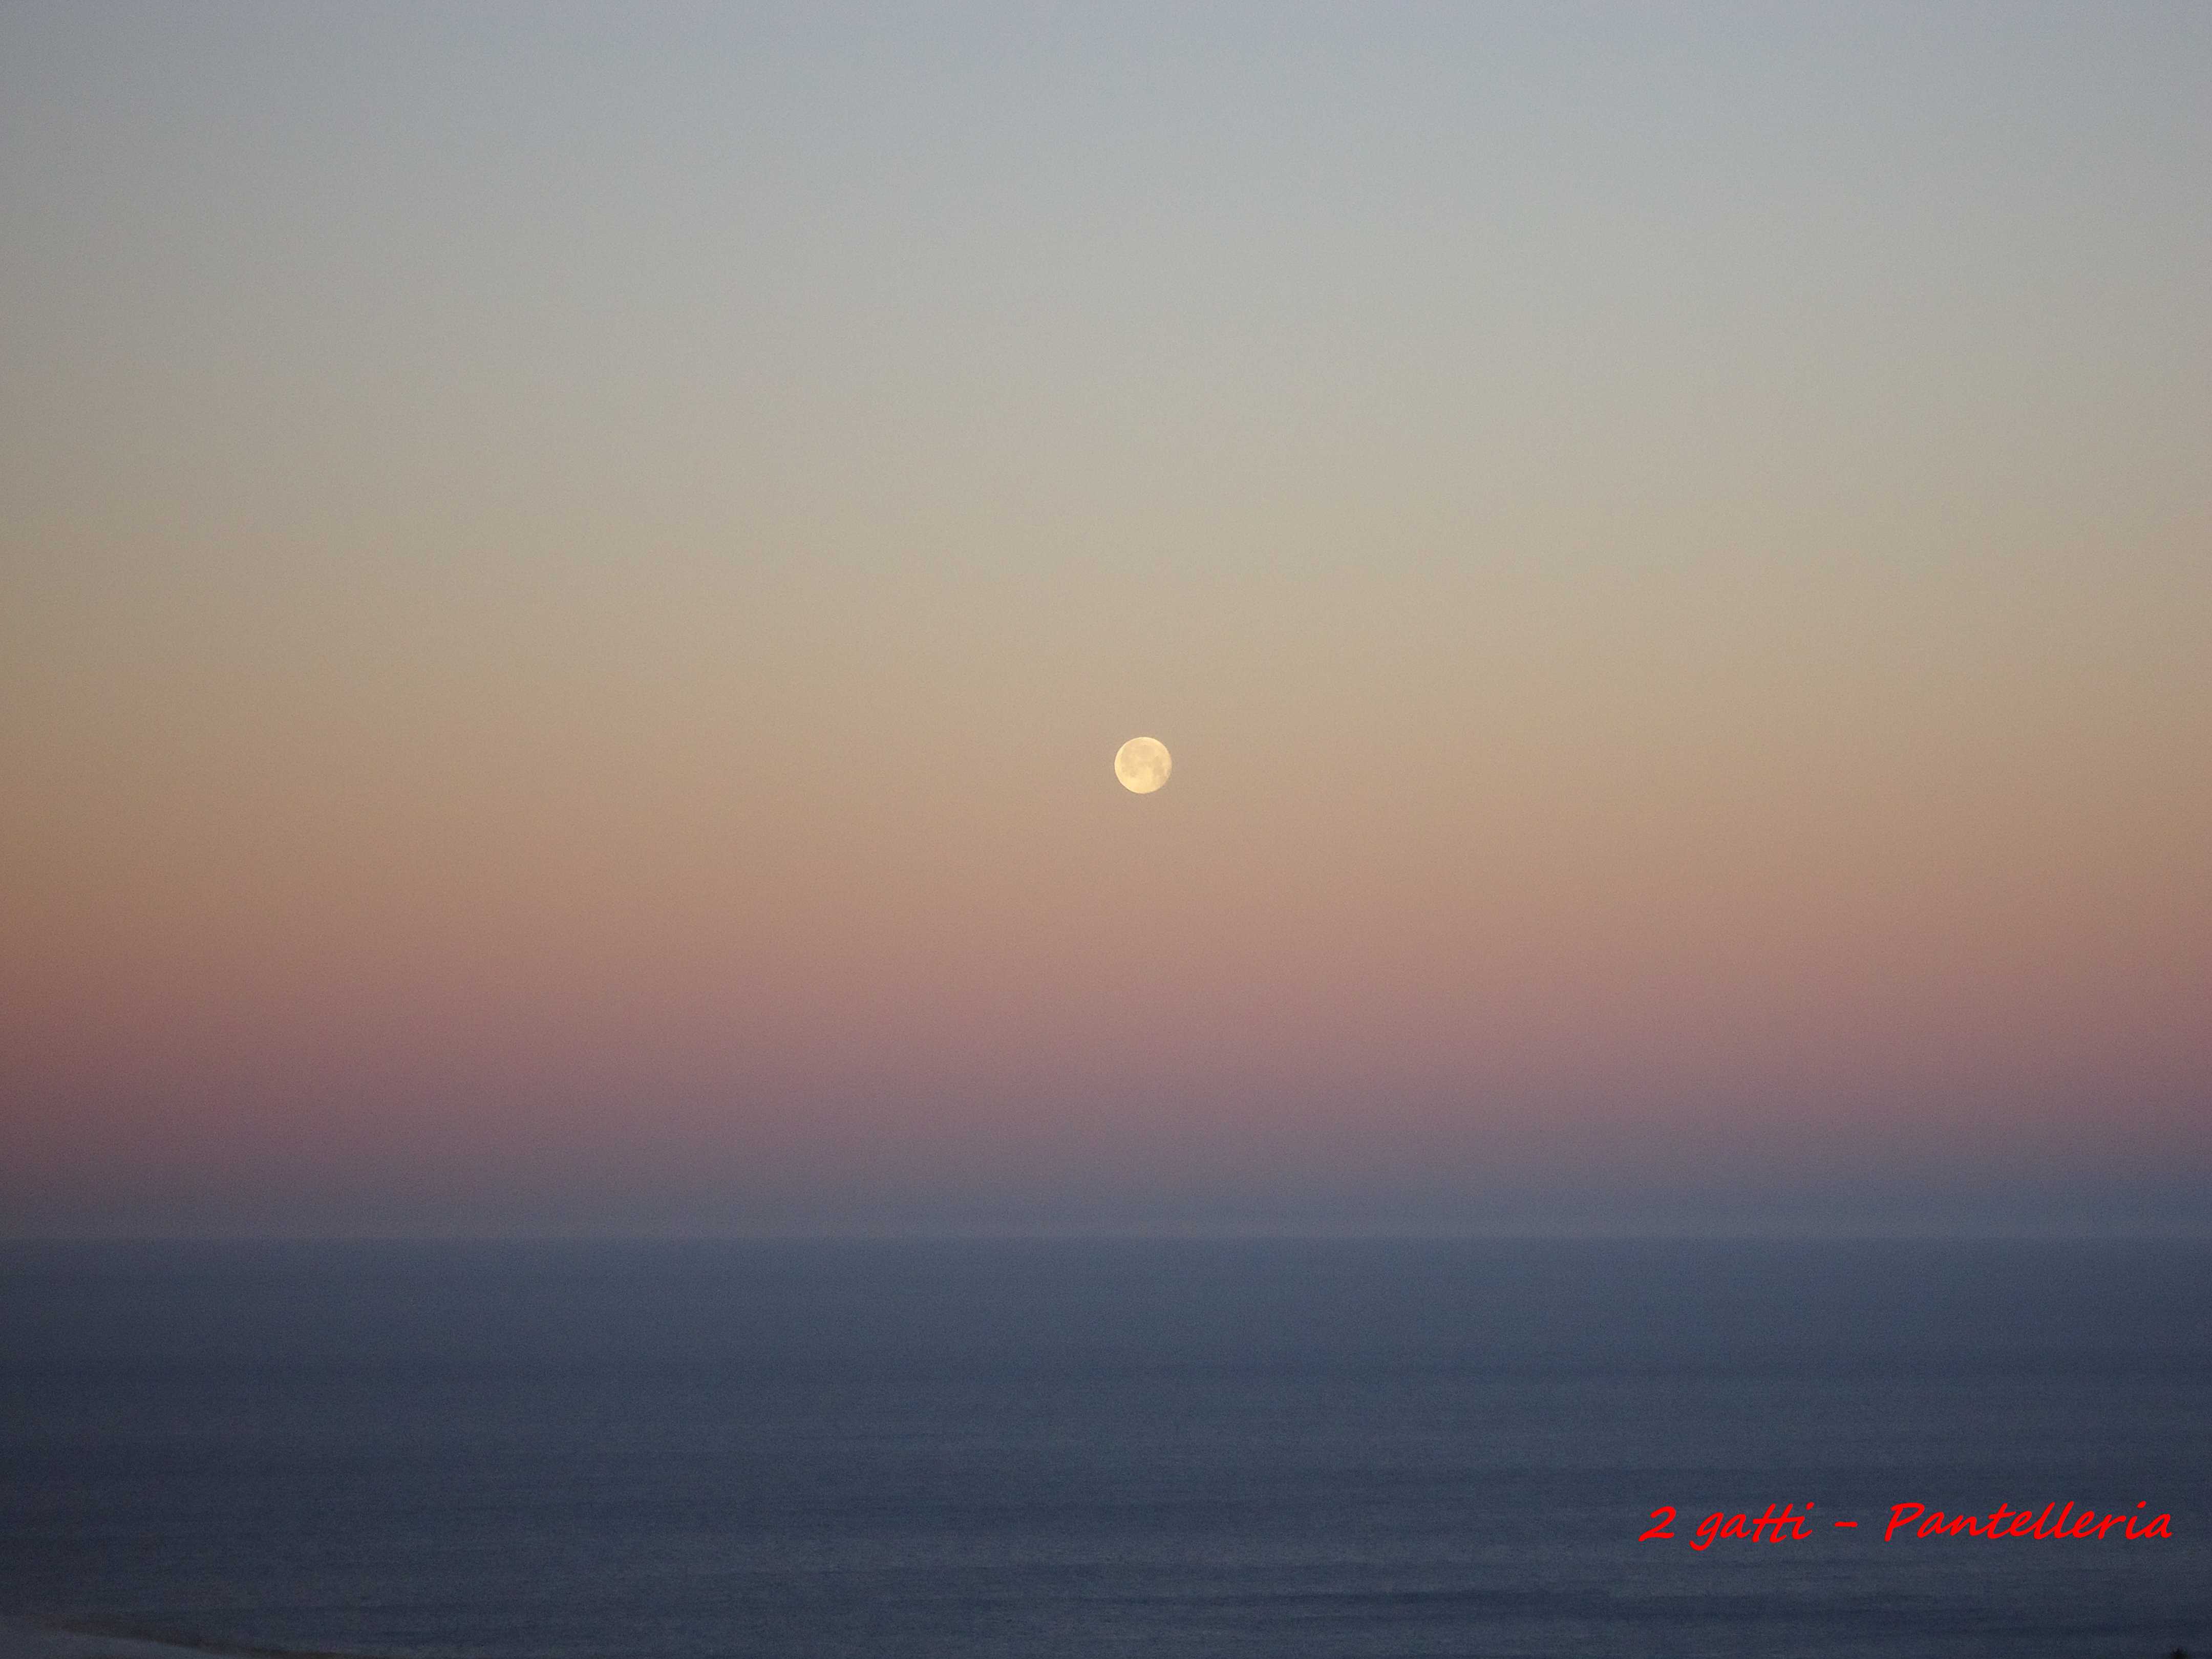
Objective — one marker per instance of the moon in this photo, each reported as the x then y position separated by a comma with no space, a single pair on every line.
1142,764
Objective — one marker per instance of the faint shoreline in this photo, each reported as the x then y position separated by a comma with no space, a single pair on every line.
23,1636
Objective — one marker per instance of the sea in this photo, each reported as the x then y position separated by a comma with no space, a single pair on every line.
1110,1449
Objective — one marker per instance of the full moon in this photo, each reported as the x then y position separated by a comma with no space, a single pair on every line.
1142,764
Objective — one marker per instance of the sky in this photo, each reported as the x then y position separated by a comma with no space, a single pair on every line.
570,579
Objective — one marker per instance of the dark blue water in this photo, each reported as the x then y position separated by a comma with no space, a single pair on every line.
669,1451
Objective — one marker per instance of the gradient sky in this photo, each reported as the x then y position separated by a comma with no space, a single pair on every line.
572,578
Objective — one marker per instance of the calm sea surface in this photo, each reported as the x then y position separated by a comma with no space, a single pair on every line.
884,1450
